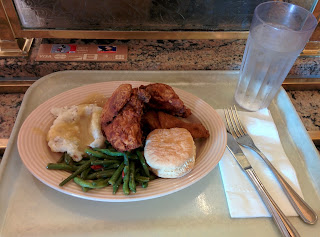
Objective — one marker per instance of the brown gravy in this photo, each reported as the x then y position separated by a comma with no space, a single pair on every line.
95,98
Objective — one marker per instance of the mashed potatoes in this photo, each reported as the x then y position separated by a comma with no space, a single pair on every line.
75,128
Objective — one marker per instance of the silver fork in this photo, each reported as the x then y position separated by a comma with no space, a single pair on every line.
242,137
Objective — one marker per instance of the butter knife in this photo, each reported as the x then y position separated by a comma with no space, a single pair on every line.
280,219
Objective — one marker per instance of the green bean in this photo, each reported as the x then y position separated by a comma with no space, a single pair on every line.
116,174
105,162
61,159
132,182
92,158
101,174
94,153
110,147
126,171
89,184
143,163
82,183
100,182
109,152
133,157
116,185
61,166
138,170
116,168
125,185
85,189
67,159
126,159
152,177
141,178
145,184
84,174
78,171
112,166
81,162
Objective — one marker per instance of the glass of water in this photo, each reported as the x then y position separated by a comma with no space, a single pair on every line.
279,31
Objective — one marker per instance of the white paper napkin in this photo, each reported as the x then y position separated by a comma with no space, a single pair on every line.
243,199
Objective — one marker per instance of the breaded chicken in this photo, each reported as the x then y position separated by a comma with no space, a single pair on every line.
155,120
122,114
116,102
150,121
124,131
163,97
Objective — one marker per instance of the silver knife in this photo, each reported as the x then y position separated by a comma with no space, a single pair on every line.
280,219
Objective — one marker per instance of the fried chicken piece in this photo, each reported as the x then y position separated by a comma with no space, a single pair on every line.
160,119
150,120
143,95
163,97
124,131
116,102
122,114
197,130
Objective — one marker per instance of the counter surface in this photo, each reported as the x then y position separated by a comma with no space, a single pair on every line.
151,55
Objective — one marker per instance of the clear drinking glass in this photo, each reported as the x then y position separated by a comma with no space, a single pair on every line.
278,33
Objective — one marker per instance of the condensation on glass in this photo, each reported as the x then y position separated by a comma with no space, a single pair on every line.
140,15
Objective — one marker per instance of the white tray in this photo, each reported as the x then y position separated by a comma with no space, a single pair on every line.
30,208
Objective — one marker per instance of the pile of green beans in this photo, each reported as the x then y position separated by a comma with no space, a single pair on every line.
103,167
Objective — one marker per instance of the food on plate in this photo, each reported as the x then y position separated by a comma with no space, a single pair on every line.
156,120
111,145
170,153
151,121
124,131
163,97
121,116
197,130
106,167
116,102
74,129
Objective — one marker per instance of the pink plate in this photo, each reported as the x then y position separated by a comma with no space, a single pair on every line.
36,154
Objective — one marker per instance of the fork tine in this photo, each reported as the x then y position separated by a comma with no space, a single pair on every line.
233,123
241,128
227,121
230,123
